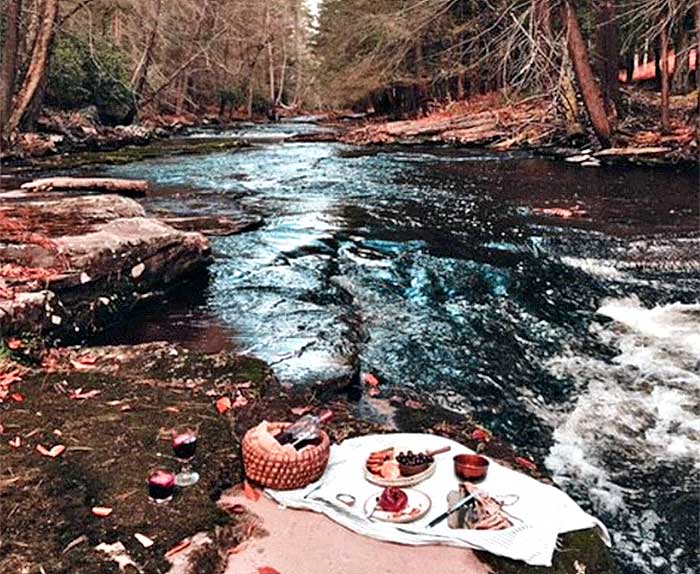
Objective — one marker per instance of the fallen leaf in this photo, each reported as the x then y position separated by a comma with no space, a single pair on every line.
240,401
6,379
250,492
14,344
178,548
74,543
237,549
53,453
525,463
79,395
481,435
417,405
223,405
18,397
145,541
267,570
371,380
84,363
101,511
16,442
2,429
171,410
300,411
374,391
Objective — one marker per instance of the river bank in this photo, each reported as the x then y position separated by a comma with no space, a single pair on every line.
536,125
112,408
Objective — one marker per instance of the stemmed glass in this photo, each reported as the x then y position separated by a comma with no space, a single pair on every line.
184,447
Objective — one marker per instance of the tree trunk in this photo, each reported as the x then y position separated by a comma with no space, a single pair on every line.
138,80
542,38
37,66
629,65
607,54
665,88
590,91
697,73
680,82
9,60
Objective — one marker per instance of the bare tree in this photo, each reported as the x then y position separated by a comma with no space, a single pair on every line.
37,66
590,91
10,47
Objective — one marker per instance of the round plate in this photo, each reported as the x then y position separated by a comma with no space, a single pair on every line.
402,481
417,507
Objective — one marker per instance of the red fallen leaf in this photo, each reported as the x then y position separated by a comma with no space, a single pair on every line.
374,391
101,511
14,344
53,453
78,394
6,379
223,405
411,404
250,492
83,363
178,548
371,380
300,411
525,463
16,442
18,397
267,570
50,360
481,435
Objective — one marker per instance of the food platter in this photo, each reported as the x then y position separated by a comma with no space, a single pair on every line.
418,506
399,467
402,481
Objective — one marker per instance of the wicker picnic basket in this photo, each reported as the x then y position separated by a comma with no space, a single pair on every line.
283,471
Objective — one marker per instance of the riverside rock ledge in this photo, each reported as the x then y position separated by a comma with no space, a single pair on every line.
70,264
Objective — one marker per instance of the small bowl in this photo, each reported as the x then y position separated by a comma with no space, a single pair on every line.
471,466
413,469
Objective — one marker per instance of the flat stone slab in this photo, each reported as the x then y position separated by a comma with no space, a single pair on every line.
308,542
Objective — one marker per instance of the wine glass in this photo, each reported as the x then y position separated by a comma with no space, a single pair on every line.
161,486
184,447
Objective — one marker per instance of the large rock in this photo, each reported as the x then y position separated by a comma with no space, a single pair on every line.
100,256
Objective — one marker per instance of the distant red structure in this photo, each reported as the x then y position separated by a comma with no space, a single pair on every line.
647,71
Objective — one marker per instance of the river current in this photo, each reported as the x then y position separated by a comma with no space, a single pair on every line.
576,339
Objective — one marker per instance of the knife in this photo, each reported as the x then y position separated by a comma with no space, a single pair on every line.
456,507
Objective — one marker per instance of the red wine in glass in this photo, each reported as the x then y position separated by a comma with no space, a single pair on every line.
184,447
161,486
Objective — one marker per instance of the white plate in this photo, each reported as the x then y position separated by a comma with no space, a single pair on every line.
417,507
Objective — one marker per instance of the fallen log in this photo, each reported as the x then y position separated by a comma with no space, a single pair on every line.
632,152
133,187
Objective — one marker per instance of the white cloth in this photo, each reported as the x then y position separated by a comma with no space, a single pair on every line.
541,511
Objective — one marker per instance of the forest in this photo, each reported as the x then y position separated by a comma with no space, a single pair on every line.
129,60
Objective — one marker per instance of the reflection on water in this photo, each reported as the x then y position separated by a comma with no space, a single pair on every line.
433,269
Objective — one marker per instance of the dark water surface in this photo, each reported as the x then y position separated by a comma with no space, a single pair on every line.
577,340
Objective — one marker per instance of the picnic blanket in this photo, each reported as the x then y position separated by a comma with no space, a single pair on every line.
541,511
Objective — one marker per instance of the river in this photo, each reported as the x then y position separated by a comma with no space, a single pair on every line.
576,339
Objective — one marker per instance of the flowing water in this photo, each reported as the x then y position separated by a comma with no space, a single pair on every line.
576,340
